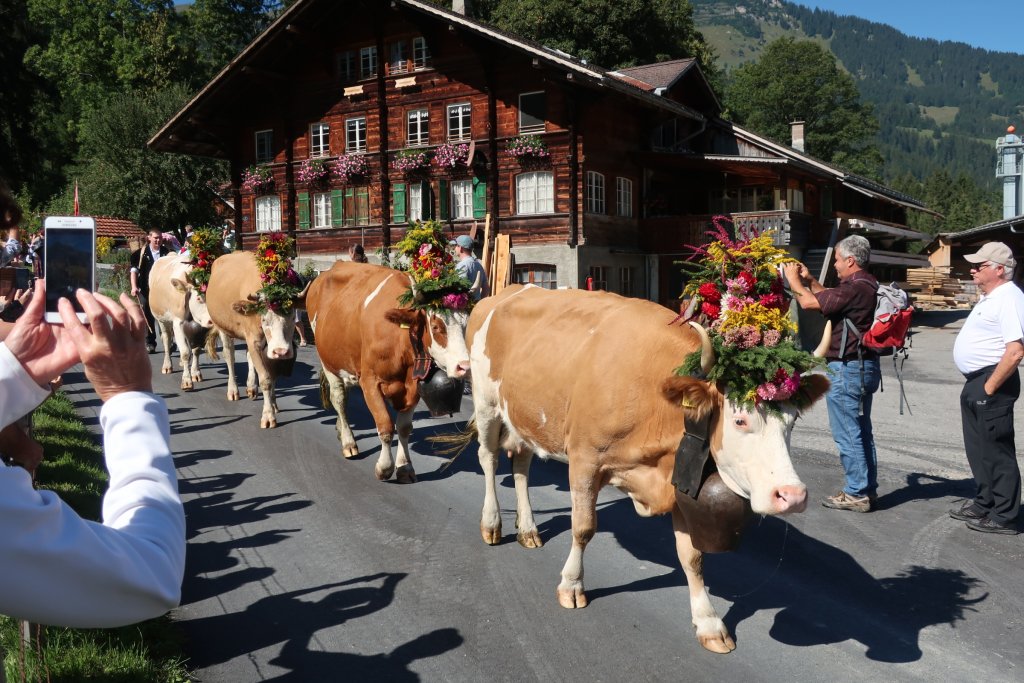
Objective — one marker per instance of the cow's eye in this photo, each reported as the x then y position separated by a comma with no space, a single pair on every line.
740,421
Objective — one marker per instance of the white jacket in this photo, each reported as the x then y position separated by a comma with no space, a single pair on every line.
60,569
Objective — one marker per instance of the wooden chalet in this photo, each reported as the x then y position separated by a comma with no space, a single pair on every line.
635,162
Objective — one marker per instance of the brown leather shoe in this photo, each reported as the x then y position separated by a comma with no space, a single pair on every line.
844,501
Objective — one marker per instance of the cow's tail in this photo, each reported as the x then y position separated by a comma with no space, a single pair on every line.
454,444
211,343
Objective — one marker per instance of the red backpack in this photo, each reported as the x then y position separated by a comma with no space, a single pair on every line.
889,330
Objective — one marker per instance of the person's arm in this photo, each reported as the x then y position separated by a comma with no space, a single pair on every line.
1006,366
803,294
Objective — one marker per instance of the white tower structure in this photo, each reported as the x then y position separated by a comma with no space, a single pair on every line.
1010,167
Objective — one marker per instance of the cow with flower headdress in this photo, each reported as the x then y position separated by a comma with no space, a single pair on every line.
686,418
397,333
252,296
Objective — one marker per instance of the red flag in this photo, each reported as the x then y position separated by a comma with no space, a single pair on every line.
76,197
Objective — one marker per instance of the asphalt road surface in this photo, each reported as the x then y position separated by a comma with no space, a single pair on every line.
303,567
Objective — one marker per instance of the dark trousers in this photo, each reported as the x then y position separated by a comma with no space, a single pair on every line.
150,320
988,440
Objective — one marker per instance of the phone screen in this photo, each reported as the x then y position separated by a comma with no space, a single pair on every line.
69,265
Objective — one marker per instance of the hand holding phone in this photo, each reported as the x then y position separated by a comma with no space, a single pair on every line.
70,262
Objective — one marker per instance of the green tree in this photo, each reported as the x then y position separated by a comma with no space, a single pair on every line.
220,29
121,176
800,81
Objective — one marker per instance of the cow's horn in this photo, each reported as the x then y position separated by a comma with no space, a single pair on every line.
826,339
707,351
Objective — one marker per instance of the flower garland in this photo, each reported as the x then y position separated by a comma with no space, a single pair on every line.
313,171
280,282
411,160
204,246
736,289
525,147
257,178
350,166
424,254
450,155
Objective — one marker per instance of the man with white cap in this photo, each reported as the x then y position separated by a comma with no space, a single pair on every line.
469,267
987,351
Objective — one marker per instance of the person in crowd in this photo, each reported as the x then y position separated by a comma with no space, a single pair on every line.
142,261
856,371
470,267
228,235
60,569
35,254
357,253
988,350
12,245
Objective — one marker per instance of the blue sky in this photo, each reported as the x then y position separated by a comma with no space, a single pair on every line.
982,23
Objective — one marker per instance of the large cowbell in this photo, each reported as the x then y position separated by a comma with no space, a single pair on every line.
716,518
441,393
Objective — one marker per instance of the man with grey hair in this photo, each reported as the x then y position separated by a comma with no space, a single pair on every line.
987,351
856,372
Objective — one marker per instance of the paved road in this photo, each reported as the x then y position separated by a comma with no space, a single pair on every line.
302,567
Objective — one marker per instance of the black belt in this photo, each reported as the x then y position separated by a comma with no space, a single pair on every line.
978,373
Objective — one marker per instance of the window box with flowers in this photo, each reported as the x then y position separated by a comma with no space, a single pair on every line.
313,172
451,156
257,179
350,167
527,149
411,161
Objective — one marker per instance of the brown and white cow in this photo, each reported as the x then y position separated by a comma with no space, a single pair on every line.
587,378
363,338
230,295
181,313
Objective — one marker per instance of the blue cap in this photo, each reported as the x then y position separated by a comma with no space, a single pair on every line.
464,241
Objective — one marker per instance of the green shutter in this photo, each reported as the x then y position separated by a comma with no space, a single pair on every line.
350,213
337,208
442,199
303,198
479,198
398,199
426,201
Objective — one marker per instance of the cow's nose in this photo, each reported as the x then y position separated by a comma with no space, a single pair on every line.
462,369
789,498
281,352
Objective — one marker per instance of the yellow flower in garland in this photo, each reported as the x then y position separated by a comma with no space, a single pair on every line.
280,282
426,257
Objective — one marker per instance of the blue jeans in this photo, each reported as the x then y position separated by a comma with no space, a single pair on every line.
851,430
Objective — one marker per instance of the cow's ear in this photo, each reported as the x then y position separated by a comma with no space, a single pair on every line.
245,307
405,317
696,396
813,387
178,285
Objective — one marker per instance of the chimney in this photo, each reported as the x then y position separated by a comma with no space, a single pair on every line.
796,129
461,7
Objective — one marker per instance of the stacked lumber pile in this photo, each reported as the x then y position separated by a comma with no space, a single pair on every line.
936,288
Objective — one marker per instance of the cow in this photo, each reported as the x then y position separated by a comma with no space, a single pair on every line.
182,315
232,298
587,378
363,338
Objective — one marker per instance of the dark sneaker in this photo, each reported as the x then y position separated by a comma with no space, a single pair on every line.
987,526
967,512
844,501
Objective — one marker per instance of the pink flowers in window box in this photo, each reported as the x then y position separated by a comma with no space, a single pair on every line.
351,166
257,179
451,155
411,160
526,148
313,172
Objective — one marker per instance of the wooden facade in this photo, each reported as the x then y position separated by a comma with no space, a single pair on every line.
639,160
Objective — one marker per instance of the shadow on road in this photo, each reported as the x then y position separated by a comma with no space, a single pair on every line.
926,487
203,423
939,318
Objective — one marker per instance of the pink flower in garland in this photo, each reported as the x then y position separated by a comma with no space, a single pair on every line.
455,302
771,338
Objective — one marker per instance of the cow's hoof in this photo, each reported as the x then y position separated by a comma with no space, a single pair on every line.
529,539
405,475
268,422
382,473
233,395
251,393
197,377
718,643
350,451
186,386
166,371
572,598
491,536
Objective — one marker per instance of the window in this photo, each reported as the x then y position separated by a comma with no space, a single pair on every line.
420,53
624,197
536,274
416,202
626,281
347,66
357,206
533,111
319,140
459,122
418,127
355,134
367,62
535,192
264,146
322,210
268,214
599,278
595,192
399,55
462,199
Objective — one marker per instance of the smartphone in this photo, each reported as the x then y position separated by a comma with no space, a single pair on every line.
69,262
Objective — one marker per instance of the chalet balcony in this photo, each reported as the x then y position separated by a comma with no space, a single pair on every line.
671,234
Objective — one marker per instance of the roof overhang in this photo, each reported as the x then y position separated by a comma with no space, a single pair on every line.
887,198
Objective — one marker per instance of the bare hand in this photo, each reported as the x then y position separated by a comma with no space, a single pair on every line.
113,348
44,350
793,272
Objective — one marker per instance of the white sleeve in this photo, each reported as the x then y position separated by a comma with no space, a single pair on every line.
18,393
60,569
1011,320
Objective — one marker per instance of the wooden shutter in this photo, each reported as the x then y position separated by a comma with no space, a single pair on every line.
350,209
442,199
337,208
479,198
398,202
362,206
303,198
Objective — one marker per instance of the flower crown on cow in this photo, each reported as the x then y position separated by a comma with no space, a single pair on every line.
435,281
280,282
204,246
736,291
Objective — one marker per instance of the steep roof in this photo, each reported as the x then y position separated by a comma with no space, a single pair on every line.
660,74
116,227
